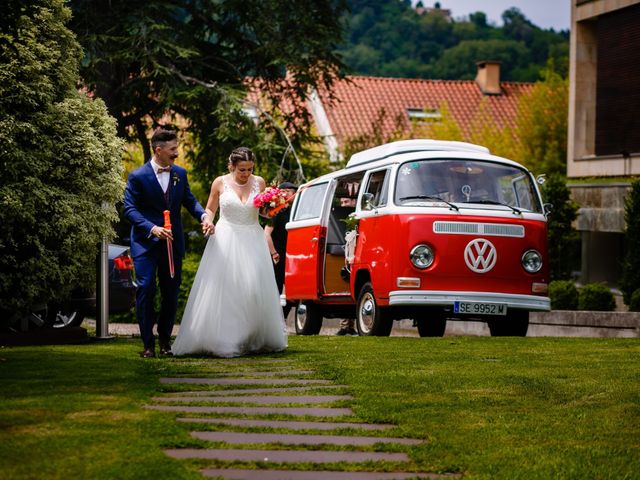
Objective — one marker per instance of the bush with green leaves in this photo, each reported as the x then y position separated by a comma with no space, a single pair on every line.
631,265
62,170
563,239
596,296
563,295
634,303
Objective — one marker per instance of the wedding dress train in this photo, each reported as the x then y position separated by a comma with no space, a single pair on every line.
234,306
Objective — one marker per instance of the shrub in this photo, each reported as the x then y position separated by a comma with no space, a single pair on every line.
62,169
563,295
634,304
596,296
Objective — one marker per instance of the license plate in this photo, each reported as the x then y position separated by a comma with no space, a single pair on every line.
480,308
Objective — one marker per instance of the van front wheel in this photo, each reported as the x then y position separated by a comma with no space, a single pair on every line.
515,324
433,326
308,319
371,320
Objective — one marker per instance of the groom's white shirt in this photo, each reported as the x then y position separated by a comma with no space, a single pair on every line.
162,177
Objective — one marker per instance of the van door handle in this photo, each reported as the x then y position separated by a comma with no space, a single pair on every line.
314,239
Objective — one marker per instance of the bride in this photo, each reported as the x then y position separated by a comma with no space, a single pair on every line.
234,305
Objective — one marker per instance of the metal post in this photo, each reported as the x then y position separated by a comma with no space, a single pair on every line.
102,292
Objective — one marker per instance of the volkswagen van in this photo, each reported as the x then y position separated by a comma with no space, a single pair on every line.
433,231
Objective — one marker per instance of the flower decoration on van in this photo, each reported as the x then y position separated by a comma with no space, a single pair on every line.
271,201
351,222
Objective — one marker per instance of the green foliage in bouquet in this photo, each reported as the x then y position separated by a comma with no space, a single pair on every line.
61,173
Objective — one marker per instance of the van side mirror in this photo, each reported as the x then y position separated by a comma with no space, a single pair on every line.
541,178
367,201
548,208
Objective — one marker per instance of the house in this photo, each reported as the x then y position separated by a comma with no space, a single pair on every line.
604,127
360,101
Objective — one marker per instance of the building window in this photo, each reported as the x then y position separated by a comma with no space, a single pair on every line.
618,77
424,114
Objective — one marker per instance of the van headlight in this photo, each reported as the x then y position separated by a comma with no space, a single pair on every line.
421,256
532,261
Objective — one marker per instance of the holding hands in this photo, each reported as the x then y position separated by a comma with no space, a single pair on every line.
208,228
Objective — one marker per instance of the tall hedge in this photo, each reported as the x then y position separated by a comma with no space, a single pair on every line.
631,266
563,238
61,169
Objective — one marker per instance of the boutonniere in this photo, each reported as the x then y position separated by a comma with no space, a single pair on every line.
175,178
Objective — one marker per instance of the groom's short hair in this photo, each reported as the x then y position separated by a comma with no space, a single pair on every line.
162,136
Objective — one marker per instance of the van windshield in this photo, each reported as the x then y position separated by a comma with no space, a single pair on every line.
468,183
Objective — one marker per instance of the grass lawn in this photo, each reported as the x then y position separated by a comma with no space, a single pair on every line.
529,408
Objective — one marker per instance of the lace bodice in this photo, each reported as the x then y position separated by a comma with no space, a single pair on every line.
231,207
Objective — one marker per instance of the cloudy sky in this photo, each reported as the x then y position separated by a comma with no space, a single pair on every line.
543,13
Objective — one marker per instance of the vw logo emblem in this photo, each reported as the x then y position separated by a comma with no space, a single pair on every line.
480,255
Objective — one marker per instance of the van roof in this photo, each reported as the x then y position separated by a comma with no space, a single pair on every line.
407,146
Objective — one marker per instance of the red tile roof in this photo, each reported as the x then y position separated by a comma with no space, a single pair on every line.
359,100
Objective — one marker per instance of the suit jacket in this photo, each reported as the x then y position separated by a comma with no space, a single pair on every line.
144,203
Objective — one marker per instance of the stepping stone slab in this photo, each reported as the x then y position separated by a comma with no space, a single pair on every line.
292,425
263,399
296,439
240,391
260,373
286,456
244,381
240,474
310,411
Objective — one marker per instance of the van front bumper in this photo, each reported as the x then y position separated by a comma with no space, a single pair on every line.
446,299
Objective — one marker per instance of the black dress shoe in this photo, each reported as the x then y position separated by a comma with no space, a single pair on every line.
148,353
166,351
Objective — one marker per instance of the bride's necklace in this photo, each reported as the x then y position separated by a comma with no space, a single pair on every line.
233,179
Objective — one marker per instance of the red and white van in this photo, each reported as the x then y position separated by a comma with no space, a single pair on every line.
444,230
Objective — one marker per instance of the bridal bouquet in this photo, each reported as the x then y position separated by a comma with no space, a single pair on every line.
271,201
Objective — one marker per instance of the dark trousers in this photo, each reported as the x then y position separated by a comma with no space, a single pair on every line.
149,266
278,269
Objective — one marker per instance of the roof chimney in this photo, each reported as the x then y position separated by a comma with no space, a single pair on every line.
488,77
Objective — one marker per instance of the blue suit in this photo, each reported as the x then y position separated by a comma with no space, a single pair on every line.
144,203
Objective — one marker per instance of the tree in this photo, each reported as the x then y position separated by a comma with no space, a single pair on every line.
377,135
542,124
459,62
61,172
631,267
563,238
192,58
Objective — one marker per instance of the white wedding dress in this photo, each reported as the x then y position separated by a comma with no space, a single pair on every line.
234,305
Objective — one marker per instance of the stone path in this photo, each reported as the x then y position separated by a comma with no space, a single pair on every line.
288,394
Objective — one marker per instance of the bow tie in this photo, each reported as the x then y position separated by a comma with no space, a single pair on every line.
164,169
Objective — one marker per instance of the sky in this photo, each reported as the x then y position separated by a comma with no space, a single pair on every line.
542,13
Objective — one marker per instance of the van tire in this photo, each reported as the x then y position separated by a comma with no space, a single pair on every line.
308,319
371,319
515,324
433,325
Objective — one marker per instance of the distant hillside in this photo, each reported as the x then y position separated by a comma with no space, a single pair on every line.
391,38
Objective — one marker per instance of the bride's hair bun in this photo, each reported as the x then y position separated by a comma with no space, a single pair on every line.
241,154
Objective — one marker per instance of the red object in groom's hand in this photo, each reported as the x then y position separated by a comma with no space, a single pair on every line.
167,226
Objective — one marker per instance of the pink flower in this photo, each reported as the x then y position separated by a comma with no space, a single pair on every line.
271,201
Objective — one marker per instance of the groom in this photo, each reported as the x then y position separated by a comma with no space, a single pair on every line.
157,186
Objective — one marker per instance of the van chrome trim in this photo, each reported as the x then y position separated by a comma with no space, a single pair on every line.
473,228
444,298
